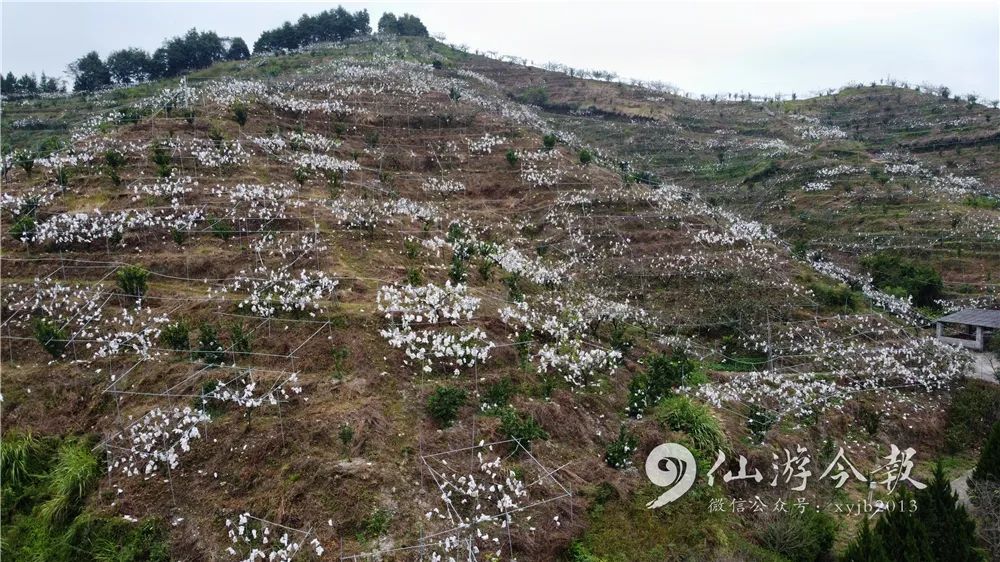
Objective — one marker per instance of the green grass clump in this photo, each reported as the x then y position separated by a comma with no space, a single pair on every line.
74,474
45,486
680,413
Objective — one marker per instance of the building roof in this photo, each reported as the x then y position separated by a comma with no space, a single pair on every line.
974,317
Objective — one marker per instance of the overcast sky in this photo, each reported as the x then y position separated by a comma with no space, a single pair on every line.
703,47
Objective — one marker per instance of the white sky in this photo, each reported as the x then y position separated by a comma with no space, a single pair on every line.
703,47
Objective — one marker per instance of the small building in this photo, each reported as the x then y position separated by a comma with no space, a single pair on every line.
970,328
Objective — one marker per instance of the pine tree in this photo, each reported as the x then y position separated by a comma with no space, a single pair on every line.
989,460
867,547
952,533
904,535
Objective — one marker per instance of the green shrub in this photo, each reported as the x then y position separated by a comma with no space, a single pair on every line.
240,338
663,374
534,95
114,159
132,280
209,351
240,113
46,483
680,413
161,158
52,337
511,157
549,141
895,274
586,157
839,295
176,336
982,202
340,356
799,537
23,227
376,524
346,435
869,418
458,272
26,160
523,429
497,396
222,228
619,452
443,404
760,420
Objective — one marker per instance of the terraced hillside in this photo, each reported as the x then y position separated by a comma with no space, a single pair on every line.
849,173
359,300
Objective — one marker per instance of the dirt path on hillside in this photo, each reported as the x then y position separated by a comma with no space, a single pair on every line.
985,366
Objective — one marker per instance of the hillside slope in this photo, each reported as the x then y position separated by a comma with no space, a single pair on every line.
360,265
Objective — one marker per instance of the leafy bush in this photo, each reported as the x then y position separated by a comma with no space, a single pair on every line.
586,157
839,295
210,351
619,452
799,537
497,396
240,338
663,374
176,336
240,113
222,228
52,337
534,95
645,177
869,418
523,429
22,227
132,280
161,158
895,274
549,141
760,420
443,404
346,435
414,277
458,272
680,413
376,524
511,157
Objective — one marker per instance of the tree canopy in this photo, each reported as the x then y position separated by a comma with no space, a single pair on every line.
90,73
29,84
129,66
406,25
328,25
